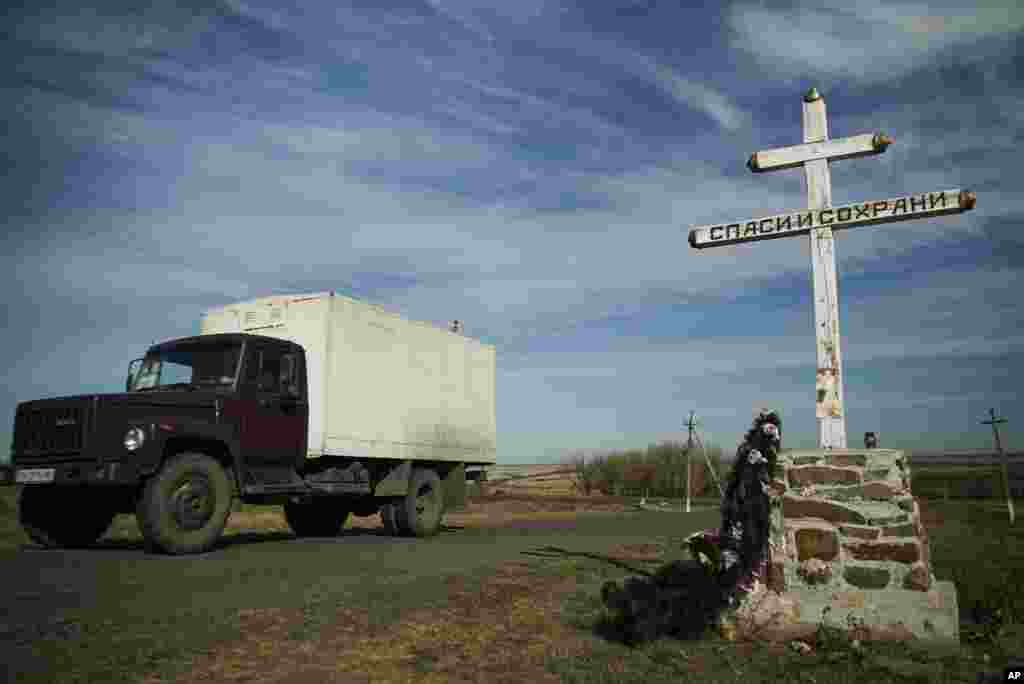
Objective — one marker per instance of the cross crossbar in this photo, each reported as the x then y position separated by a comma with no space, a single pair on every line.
840,148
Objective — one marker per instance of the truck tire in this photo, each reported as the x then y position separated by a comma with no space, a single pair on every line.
185,506
389,516
317,518
63,517
419,513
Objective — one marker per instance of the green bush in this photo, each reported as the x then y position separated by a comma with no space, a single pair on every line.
659,471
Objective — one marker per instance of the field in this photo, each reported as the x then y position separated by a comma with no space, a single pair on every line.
508,592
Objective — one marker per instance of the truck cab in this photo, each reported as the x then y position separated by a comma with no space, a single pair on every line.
203,421
258,385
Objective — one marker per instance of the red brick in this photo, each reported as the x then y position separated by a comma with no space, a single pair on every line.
847,460
832,511
919,578
778,487
777,577
885,550
919,528
825,475
922,535
860,531
784,631
880,490
895,631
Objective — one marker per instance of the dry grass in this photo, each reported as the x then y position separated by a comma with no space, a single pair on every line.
500,628
479,512
530,480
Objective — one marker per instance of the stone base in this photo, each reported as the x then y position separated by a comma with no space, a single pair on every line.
847,535
886,614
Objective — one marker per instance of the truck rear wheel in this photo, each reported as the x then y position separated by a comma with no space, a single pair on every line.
63,517
185,506
389,516
419,513
317,518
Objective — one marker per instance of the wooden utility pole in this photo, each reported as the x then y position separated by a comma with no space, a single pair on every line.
694,438
689,447
994,422
819,220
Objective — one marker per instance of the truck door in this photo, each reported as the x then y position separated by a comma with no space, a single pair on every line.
274,422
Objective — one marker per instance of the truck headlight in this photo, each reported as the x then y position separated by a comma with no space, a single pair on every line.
134,438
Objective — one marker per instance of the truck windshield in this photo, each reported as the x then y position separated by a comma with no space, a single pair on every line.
188,365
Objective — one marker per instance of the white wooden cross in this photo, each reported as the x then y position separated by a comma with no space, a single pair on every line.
819,220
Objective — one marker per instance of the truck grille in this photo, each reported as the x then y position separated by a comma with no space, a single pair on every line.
43,433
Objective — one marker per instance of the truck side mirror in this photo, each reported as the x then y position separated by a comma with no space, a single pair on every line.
133,371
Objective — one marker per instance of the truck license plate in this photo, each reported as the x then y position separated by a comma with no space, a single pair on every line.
34,475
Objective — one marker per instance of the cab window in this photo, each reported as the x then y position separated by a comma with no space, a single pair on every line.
272,370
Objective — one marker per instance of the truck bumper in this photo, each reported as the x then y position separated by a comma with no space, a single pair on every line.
80,472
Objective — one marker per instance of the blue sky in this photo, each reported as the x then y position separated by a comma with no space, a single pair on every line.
530,168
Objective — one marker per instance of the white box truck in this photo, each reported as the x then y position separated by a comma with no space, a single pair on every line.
320,402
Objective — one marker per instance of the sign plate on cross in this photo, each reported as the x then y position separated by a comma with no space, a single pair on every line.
818,221
869,213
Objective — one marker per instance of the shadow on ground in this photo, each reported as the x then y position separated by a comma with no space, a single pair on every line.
232,539
554,552
678,599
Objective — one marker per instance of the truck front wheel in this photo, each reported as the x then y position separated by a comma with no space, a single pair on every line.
389,516
419,513
63,517
323,517
185,506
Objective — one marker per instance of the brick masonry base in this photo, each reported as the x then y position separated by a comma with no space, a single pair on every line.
847,536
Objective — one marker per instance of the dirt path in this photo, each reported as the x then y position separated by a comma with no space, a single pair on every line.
480,602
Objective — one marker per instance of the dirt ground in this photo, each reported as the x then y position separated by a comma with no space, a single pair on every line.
501,628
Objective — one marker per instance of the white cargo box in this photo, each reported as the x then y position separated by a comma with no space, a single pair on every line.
380,386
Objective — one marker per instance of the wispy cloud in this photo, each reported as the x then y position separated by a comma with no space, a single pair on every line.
702,98
464,19
867,40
